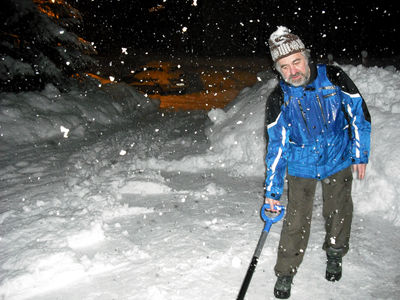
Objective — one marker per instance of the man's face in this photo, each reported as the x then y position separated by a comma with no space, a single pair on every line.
294,69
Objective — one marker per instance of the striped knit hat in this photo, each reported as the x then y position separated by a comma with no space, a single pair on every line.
282,43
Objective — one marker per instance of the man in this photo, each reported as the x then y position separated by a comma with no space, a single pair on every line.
318,128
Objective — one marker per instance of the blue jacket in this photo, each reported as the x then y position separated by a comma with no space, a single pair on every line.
315,131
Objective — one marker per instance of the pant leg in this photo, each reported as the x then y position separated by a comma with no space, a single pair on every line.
338,209
296,225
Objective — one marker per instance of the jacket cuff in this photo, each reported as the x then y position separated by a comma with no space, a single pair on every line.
359,161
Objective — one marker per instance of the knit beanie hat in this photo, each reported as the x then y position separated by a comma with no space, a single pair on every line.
282,43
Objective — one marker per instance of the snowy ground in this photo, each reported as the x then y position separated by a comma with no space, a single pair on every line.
126,202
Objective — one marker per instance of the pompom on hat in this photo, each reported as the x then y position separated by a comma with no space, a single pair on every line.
282,43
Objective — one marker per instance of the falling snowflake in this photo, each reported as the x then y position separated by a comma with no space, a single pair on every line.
65,131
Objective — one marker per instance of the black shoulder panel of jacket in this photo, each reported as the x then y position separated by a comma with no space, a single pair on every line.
273,105
338,77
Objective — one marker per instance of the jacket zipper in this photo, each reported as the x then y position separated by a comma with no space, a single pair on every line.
303,115
322,112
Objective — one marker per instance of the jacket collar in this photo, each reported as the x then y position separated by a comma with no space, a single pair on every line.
313,72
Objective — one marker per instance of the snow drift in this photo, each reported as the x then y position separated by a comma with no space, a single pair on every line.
49,115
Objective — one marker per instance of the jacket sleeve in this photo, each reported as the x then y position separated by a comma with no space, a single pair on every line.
357,114
277,137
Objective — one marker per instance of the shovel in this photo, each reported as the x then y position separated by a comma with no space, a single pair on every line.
268,223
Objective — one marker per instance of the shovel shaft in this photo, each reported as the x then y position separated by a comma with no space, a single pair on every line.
252,266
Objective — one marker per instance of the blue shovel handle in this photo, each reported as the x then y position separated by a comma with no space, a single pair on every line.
268,220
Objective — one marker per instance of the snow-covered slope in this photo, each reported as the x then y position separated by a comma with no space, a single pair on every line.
132,203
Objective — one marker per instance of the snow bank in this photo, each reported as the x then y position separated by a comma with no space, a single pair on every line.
238,134
31,117
380,87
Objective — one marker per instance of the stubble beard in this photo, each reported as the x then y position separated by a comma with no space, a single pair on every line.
304,77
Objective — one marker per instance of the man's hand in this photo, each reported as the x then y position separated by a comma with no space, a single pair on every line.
272,203
360,169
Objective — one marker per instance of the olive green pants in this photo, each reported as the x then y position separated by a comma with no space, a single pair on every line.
337,212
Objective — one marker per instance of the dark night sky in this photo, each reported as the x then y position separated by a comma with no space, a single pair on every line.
240,27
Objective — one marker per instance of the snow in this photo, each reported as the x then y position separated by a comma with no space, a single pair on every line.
276,35
105,197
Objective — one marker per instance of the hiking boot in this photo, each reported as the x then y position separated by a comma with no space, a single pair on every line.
282,287
333,264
